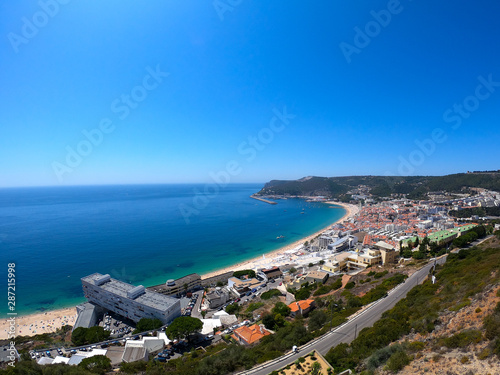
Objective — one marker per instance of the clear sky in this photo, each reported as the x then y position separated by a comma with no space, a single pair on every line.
111,92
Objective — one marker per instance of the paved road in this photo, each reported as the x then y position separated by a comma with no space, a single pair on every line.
347,331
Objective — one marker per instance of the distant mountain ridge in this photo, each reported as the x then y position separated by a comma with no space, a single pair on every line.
417,187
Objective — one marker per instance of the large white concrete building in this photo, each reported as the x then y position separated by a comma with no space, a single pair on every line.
132,302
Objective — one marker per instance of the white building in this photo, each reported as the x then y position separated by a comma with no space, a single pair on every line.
132,302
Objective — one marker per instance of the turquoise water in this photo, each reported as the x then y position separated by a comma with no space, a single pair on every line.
138,234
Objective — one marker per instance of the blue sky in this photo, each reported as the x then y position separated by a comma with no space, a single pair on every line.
416,95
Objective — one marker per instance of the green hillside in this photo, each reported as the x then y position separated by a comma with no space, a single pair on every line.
383,186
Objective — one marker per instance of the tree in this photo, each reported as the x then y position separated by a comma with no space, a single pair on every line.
98,364
233,308
250,273
281,308
78,336
146,324
302,293
418,255
279,321
407,254
268,321
96,334
184,326
82,336
292,270
317,319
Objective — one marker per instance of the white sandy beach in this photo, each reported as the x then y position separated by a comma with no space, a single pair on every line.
262,261
34,324
50,321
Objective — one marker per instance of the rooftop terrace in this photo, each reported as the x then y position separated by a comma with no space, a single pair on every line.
122,289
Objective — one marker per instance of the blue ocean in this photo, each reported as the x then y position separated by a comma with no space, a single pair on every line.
141,234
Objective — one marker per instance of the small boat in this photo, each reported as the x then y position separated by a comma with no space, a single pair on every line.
280,237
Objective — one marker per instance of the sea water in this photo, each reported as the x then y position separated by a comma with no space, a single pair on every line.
140,234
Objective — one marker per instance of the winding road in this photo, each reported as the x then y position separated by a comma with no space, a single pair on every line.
347,331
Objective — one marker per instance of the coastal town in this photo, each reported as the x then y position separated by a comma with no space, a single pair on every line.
373,238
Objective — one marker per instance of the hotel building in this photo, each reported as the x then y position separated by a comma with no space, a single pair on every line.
132,302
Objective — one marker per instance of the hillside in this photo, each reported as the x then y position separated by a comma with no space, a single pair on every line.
383,186
451,327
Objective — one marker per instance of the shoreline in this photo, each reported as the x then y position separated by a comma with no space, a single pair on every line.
50,321
39,323
351,210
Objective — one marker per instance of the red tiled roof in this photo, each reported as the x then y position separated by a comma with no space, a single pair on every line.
251,334
304,305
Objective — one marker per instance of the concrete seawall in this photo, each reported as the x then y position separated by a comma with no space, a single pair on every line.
263,200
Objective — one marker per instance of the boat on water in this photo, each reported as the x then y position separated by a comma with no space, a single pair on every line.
280,237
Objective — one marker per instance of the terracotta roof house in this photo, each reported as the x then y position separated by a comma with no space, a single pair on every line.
250,335
301,307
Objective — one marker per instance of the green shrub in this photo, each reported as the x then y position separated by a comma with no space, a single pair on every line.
462,339
379,275
98,364
484,354
350,285
416,346
270,294
398,361
491,324
460,305
381,356
254,306
249,273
